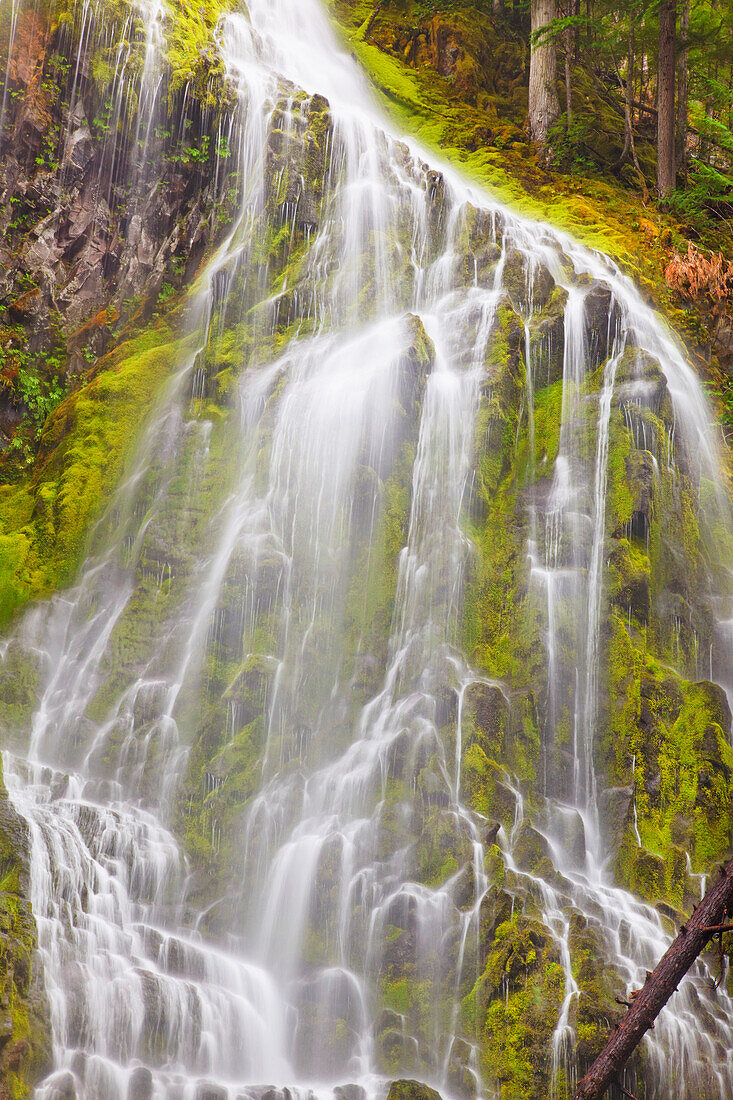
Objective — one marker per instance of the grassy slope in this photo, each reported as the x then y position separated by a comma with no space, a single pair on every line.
598,213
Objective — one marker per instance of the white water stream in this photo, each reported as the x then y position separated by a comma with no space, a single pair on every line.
277,982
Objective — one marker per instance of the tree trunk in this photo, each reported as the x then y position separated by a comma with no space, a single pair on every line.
629,149
643,80
544,105
707,920
629,96
665,98
683,91
568,77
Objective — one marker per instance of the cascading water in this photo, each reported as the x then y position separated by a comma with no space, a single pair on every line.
132,52
276,598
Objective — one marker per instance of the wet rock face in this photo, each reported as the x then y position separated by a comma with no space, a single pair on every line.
602,321
210,1092
94,220
24,1025
297,159
547,339
349,1092
71,234
615,811
529,287
62,1086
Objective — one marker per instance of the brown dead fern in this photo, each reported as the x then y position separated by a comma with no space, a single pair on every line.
697,275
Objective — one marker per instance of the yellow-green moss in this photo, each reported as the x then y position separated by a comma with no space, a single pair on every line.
25,1047
191,49
514,1008
86,442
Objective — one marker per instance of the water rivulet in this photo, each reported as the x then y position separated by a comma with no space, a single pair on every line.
385,731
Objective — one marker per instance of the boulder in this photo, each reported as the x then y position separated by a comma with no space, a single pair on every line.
62,1086
211,1092
349,1092
406,1089
602,316
614,809
140,1084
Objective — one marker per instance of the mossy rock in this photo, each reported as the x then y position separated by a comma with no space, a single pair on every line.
406,1089
461,1078
529,286
25,1028
84,447
596,1009
547,339
630,580
20,680
477,245
443,848
645,874
532,852
514,1008
615,814
415,367
297,160
484,787
502,728
601,318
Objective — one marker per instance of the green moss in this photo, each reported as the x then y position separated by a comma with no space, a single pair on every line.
411,1090
25,1041
671,728
84,447
514,1006
191,49
669,741
19,681
596,1009
620,492
501,632
442,849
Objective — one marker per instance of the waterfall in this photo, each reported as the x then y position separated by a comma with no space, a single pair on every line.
256,862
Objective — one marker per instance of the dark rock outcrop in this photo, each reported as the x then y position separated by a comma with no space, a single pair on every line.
92,229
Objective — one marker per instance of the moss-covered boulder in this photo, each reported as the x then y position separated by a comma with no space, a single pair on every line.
405,1089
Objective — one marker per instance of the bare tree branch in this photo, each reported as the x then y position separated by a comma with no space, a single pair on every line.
708,919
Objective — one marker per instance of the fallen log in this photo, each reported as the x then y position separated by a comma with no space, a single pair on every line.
710,918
